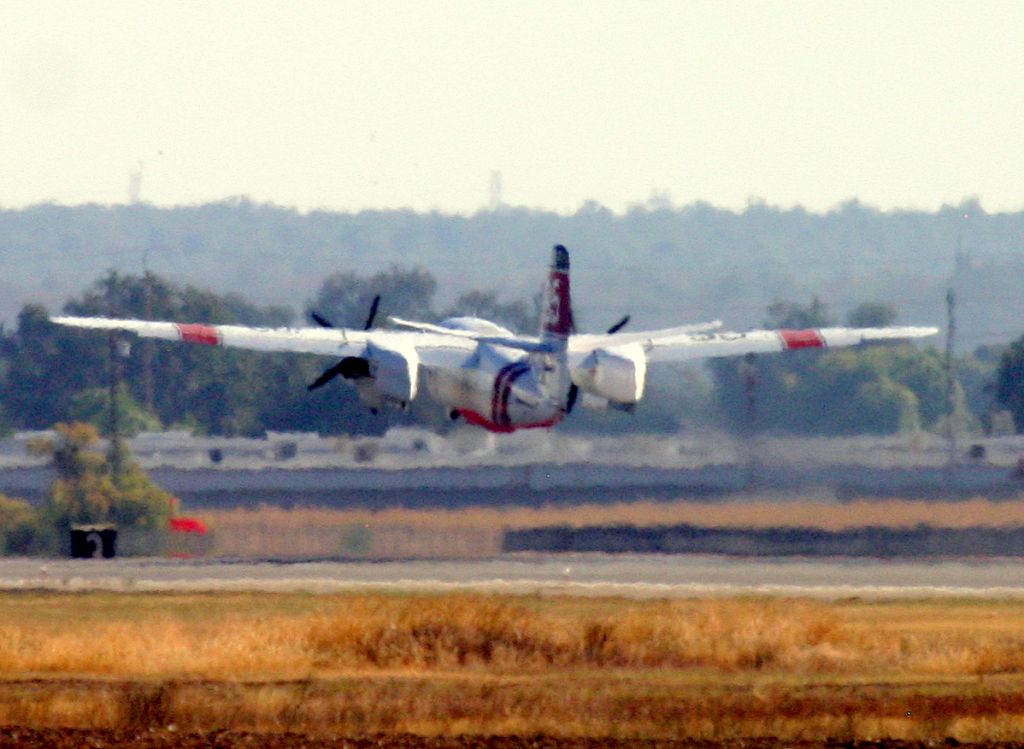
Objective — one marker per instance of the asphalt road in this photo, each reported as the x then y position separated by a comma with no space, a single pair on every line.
637,576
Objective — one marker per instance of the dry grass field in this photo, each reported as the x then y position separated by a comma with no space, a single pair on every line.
477,531
488,665
757,511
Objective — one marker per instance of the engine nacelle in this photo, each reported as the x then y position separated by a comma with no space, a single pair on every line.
393,371
615,374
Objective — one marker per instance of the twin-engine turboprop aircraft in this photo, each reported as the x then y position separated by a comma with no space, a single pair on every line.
490,376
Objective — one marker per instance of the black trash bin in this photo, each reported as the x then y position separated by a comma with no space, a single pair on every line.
93,541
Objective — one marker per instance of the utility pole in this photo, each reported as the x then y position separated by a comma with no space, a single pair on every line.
951,374
115,457
748,371
147,344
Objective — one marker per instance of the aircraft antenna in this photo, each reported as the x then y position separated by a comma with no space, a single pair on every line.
494,201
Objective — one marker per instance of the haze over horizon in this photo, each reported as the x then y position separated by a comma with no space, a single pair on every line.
350,106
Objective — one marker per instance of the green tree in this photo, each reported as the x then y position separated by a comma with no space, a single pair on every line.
220,390
19,526
887,407
860,392
872,315
872,388
977,374
93,407
84,490
515,315
345,298
1010,382
47,364
786,314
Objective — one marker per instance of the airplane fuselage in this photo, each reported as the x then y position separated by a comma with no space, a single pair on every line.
497,388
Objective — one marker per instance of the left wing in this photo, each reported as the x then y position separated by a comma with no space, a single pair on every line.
585,342
614,367
686,347
672,345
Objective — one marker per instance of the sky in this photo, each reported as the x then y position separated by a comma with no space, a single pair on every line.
354,105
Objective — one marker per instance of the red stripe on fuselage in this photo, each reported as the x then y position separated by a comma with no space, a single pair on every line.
196,333
472,417
506,392
797,339
500,393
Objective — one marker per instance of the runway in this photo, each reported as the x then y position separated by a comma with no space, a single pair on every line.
629,576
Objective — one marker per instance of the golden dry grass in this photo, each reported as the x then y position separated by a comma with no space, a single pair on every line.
490,664
477,531
760,513
288,636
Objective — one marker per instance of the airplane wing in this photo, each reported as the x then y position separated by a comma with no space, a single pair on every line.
672,345
584,342
337,342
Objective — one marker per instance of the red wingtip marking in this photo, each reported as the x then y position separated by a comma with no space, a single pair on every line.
195,333
796,339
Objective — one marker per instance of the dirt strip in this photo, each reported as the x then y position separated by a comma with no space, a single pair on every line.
56,738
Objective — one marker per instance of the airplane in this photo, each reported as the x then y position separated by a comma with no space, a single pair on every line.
487,375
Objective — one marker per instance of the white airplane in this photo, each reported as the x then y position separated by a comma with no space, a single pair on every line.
486,374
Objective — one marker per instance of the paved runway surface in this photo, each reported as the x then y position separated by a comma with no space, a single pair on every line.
636,576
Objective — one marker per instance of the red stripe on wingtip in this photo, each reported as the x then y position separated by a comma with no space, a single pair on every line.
196,333
797,339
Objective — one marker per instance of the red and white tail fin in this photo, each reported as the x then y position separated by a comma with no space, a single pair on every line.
555,327
556,316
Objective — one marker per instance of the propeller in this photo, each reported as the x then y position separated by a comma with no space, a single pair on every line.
328,374
346,366
323,322
574,390
574,393
619,325
373,312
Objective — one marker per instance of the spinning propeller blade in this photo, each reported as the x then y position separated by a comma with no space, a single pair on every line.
373,313
323,322
328,374
619,325
331,372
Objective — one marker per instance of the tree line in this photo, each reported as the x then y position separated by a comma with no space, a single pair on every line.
663,263
52,374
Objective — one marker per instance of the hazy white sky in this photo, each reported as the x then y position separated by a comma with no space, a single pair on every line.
346,105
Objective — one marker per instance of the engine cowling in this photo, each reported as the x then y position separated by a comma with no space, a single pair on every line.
391,375
616,374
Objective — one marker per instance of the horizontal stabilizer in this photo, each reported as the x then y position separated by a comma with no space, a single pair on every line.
531,345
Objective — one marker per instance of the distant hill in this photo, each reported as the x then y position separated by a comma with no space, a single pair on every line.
663,264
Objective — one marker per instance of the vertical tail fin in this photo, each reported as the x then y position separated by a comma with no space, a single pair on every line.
555,327
556,317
